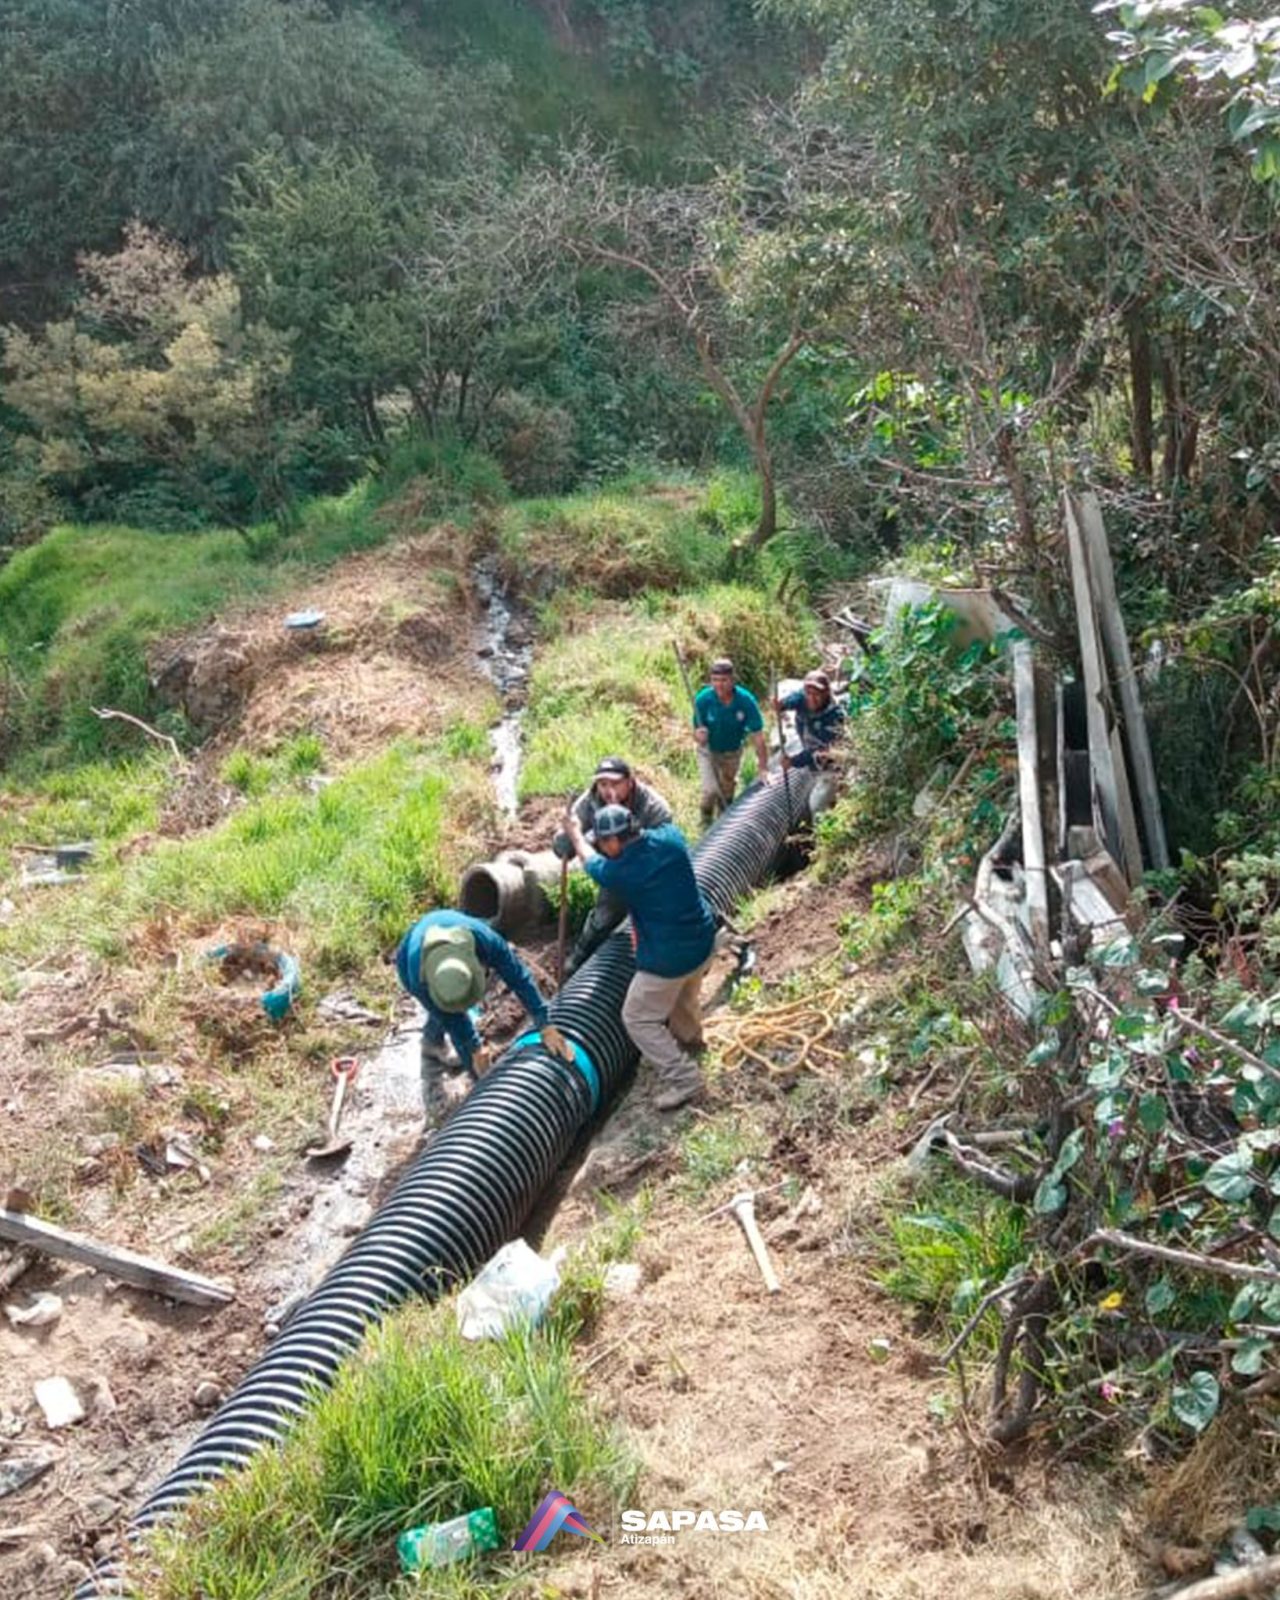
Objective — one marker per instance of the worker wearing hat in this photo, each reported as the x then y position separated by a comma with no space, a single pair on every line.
650,871
613,784
444,962
725,715
819,721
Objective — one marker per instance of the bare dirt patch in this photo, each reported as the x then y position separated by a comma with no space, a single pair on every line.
394,655
815,1406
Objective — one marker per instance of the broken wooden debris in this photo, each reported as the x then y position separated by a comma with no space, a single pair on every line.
1033,852
141,1271
1116,640
1087,902
1110,779
993,929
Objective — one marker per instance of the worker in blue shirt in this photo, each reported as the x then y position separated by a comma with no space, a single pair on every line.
650,871
819,722
444,961
725,715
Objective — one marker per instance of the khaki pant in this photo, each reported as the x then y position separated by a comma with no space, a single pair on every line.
663,1015
718,774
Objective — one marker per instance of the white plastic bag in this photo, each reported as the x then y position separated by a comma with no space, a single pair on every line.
516,1285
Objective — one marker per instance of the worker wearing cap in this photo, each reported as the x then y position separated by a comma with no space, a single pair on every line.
651,873
444,961
725,715
614,784
820,720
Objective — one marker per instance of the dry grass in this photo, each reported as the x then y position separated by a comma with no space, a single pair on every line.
1198,1501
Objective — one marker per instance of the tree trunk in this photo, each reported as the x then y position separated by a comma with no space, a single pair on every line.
767,526
372,421
1181,425
1007,455
1140,381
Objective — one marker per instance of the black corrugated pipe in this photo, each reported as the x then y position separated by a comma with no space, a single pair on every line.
474,1184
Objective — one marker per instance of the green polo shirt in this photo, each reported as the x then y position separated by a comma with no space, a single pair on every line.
727,725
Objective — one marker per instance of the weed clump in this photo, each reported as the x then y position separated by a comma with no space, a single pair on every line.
420,1426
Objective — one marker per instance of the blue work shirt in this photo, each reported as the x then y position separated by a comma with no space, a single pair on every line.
653,877
727,725
818,730
494,953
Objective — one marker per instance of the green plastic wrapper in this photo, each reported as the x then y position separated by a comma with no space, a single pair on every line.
439,1543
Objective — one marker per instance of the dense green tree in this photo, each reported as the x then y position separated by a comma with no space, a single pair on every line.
76,123
320,256
159,367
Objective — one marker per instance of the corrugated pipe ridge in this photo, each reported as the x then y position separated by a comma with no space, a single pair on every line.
473,1185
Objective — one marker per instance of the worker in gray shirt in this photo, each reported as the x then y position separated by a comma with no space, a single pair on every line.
614,784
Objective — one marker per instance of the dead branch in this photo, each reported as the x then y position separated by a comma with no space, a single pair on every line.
108,715
979,1311
1028,1323
1191,1259
1243,1584
1202,1029
1016,1186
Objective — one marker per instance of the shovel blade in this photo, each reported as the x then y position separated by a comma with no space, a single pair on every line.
325,1152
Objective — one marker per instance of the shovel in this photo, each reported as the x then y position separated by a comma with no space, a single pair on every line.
563,931
344,1070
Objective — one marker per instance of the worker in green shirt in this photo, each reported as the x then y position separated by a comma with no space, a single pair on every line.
725,715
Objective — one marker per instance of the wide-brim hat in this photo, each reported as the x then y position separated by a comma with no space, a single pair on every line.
451,971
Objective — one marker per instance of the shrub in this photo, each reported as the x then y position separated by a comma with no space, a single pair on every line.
764,638
534,442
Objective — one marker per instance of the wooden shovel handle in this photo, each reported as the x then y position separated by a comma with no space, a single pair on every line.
746,1215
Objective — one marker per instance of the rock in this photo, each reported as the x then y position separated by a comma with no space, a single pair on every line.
18,1471
622,1279
159,1075
98,1144
261,1142
207,1394
73,1573
99,1510
101,1400
59,1402
43,1312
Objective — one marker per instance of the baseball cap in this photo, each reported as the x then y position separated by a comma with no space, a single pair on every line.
612,822
721,664
817,680
613,767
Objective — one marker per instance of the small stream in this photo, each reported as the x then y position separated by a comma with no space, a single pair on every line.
505,647
330,1204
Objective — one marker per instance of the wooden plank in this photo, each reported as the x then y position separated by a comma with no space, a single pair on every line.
1111,783
1116,640
1037,891
141,1271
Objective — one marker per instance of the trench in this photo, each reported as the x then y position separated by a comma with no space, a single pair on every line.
477,1182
